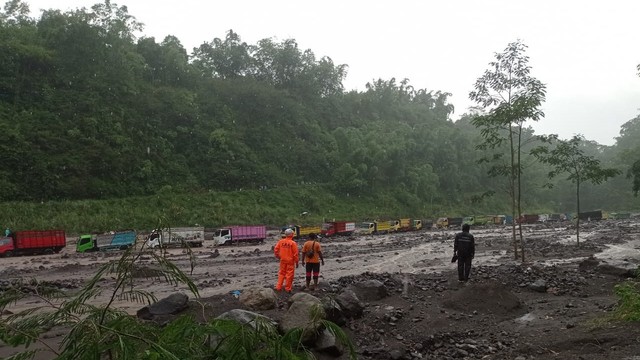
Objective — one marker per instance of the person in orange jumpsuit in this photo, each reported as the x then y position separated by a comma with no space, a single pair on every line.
286,250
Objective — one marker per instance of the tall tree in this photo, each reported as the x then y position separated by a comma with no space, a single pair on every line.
568,156
509,96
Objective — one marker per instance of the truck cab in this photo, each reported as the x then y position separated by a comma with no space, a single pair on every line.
222,237
442,223
416,224
6,246
367,228
85,243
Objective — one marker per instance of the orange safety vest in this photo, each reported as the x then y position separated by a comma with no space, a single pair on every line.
287,250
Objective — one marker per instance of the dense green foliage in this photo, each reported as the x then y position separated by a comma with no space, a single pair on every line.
89,111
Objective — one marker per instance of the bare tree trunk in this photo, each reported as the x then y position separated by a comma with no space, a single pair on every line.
519,169
578,212
512,184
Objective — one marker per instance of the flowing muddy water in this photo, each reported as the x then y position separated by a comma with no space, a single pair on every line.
223,269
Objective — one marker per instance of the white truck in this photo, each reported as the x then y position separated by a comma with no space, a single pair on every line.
176,237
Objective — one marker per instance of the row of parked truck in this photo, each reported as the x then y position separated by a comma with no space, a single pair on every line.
37,242
53,241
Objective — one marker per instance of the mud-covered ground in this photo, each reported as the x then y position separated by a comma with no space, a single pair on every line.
554,306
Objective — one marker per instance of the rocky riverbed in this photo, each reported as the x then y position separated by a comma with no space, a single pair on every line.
555,305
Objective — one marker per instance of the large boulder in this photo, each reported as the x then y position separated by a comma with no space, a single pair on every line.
259,298
304,313
171,305
327,343
369,290
351,306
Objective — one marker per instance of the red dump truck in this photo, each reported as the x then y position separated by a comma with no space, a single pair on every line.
343,228
33,242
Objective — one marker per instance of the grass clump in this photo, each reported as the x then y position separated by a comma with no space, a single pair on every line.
628,293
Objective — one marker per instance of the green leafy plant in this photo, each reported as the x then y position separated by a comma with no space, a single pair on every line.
628,293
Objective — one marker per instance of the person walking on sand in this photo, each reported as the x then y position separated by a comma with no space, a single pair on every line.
286,250
312,254
464,247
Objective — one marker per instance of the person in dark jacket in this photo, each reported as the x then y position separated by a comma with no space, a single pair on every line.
464,247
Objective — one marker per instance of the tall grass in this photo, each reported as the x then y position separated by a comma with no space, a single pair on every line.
272,207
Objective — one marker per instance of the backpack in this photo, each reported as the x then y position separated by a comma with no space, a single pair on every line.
310,253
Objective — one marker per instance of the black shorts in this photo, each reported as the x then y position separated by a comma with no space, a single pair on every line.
312,268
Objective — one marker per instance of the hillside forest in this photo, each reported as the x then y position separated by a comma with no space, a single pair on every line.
90,109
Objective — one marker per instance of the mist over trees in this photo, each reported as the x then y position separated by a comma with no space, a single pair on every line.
90,111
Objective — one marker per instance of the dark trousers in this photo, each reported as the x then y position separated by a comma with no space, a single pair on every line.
464,268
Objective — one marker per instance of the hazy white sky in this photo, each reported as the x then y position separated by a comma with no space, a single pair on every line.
586,52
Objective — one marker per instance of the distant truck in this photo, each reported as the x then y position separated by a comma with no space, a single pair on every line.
591,215
119,240
447,222
33,242
376,227
302,232
342,228
401,224
240,234
176,237
529,218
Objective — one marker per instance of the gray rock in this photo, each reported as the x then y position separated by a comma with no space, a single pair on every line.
304,313
369,290
334,311
171,305
259,298
539,285
350,304
396,354
328,344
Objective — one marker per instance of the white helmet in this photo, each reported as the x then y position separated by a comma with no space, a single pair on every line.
288,232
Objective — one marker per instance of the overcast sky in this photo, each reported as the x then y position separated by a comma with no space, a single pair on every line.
586,52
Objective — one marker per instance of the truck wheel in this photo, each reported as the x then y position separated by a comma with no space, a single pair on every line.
8,254
48,251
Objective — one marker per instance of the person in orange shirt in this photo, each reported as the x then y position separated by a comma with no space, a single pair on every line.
312,253
286,250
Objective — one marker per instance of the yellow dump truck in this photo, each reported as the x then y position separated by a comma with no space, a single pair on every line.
376,227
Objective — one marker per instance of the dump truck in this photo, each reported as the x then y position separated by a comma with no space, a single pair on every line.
376,227
619,216
240,234
344,228
302,232
33,242
117,240
416,224
176,237
528,218
402,224
591,215
499,219
447,222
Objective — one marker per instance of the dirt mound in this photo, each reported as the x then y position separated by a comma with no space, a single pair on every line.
147,272
487,298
